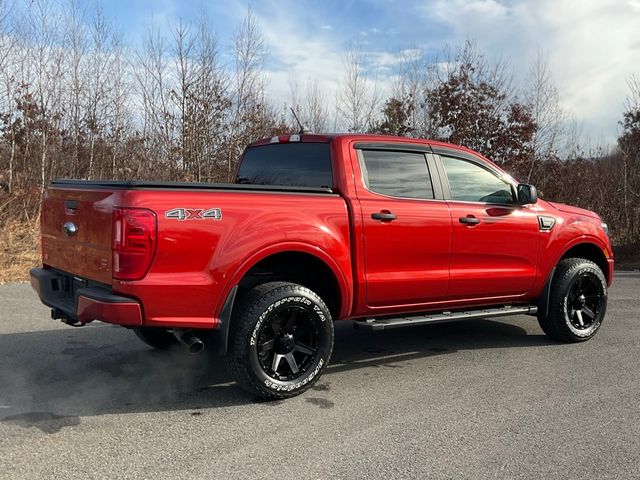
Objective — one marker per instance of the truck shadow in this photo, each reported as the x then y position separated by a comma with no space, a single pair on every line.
62,375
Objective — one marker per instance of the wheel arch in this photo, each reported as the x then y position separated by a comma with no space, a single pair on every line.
589,250
299,267
300,263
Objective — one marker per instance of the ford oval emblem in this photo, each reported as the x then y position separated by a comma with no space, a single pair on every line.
70,229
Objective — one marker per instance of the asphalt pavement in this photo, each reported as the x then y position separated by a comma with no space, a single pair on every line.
478,399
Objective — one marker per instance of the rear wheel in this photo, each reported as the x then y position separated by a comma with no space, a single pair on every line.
577,303
281,340
158,338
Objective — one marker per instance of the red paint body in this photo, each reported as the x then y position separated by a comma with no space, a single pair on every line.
424,260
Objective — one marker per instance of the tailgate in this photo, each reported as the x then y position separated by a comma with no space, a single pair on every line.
87,252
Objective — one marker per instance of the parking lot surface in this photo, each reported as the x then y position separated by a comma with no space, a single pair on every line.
477,399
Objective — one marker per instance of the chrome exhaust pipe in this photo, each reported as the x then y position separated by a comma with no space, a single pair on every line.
187,338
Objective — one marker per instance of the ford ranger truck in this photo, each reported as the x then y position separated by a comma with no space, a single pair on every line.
383,231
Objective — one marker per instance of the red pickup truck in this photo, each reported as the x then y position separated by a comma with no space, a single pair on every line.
381,230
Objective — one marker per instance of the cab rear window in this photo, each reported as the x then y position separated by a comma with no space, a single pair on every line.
287,164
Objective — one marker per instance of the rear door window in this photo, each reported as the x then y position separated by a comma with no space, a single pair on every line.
397,174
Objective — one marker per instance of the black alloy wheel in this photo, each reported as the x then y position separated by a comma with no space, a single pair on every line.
585,300
281,340
288,343
577,302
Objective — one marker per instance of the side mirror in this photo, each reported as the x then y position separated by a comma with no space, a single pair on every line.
527,194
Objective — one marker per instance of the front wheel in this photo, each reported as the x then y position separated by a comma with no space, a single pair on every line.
577,303
281,340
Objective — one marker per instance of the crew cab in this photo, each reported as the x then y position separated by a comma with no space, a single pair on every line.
384,231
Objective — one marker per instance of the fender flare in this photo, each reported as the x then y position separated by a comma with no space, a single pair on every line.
585,239
224,309
543,300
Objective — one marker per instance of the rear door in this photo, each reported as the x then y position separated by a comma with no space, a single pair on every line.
494,247
407,226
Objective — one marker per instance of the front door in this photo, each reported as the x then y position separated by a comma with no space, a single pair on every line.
407,229
494,249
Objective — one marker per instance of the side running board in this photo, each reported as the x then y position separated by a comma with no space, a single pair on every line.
383,323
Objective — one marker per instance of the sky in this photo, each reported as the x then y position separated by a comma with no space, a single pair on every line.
592,46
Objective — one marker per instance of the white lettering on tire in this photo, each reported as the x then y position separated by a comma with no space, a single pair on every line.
288,388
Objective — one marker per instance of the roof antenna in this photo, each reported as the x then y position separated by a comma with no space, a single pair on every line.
303,128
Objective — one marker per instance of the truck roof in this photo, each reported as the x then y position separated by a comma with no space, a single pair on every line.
326,138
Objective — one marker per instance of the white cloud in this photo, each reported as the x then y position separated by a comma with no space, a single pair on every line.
385,64
592,46
484,8
297,55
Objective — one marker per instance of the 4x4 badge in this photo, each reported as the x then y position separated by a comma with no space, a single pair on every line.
183,214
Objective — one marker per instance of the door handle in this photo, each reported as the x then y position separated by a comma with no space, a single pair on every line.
384,215
469,220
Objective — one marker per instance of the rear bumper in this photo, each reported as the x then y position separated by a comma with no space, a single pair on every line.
84,304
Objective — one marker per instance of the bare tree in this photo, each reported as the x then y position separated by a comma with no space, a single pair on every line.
98,84
317,110
248,49
629,143
248,99
212,105
9,87
574,139
201,97
415,78
152,80
312,108
542,96
75,38
186,72
357,101
21,110
118,116
45,28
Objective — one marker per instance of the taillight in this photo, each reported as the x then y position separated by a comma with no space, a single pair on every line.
135,234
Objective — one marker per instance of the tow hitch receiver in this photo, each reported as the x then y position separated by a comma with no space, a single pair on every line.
58,314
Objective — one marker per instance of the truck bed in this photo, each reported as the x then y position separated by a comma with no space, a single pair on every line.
196,259
154,185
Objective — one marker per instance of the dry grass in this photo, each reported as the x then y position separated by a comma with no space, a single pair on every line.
19,249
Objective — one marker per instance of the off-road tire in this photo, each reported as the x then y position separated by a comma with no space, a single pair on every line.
560,321
266,310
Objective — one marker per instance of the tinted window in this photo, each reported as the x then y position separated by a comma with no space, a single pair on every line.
287,164
472,183
398,174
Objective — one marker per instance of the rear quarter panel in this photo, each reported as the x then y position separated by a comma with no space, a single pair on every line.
197,262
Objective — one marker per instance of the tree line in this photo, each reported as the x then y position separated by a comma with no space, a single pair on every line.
77,101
